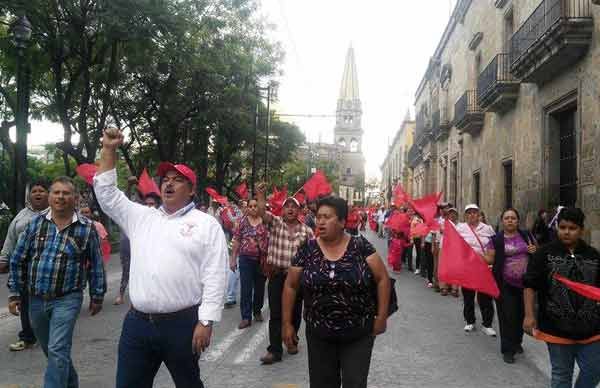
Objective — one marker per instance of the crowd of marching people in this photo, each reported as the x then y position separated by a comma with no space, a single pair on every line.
543,281
183,262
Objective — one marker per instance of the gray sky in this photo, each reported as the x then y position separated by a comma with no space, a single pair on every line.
393,40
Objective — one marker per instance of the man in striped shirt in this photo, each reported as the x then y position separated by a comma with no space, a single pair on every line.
52,261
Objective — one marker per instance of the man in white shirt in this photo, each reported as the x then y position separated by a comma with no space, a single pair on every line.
177,278
477,235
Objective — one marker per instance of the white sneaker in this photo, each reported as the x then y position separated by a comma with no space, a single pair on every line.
417,272
489,331
469,328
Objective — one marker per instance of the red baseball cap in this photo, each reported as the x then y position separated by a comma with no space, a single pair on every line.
182,169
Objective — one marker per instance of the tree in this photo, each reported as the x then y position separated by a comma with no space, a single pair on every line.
179,76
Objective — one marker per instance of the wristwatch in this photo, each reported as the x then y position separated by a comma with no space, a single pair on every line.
206,323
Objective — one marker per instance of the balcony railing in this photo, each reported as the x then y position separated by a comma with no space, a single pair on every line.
468,116
552,20
497,88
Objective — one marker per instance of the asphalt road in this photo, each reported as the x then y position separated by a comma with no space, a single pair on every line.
424,346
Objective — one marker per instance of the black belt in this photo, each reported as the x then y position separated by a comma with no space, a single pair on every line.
165,316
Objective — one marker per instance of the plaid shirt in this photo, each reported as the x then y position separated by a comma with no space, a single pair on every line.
52,263
284,241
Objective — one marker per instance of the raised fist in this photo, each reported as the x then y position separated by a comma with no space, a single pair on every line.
261,188
112,138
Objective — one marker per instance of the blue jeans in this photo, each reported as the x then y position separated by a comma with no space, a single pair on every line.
562,359
252,286
26,334
232,285
145,344
53,322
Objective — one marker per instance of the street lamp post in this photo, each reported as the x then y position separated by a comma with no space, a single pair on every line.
21,32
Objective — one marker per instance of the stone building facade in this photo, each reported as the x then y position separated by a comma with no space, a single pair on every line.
508,112
394,169
348,134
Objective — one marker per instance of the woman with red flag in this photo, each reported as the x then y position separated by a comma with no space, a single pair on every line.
477,235
508,252
567,321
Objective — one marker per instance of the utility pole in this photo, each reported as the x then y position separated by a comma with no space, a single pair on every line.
21,33
267,130
254,144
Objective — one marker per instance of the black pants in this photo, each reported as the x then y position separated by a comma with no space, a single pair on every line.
427,257
145,344
407,257
275,290
419,262
510,316
485,305
26,334
332,365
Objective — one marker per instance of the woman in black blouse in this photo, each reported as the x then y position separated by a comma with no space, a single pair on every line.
346,292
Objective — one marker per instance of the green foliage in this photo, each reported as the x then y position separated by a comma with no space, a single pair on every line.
183,78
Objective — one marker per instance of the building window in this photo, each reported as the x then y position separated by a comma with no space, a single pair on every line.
445,181
348,171
454,182
342,142
568,158
509,29
477,188
353,145
508,184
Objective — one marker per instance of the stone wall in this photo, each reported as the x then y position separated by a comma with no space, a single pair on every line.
522,135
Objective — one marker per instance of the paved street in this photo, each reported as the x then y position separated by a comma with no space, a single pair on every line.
423,347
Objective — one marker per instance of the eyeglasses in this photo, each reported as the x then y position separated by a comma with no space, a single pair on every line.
331,270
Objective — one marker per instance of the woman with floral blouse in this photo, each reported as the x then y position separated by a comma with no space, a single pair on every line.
250,242
346,292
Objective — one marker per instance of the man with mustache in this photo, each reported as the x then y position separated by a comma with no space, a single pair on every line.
177,276
286,235
38,202
56,256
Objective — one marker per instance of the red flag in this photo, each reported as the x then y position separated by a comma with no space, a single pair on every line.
300,197
216,196
399,222
316,186
427,208
582,289
277,199
421,229
87,171
400,196
459,264
146,185
242,190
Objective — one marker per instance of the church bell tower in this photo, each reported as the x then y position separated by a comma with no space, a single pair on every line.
348,135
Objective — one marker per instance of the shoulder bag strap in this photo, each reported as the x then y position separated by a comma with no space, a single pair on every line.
477,237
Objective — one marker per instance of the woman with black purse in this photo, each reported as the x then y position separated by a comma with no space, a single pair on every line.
509,253
346,297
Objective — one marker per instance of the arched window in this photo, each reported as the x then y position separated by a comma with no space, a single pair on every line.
342,142
353,145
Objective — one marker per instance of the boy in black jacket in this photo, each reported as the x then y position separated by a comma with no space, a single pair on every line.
571,319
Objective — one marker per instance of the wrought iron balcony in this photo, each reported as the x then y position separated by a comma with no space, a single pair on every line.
468,116
555,36
414,156
422,128
497,88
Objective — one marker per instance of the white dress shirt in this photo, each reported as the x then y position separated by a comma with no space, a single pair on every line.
177,260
